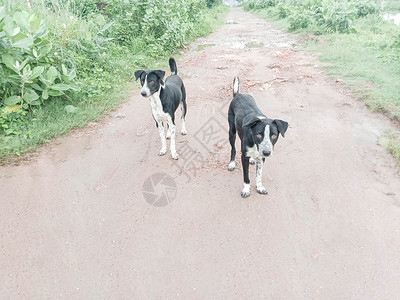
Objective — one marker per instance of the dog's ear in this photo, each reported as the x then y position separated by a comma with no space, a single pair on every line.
282,126
138,73
251,122
160,73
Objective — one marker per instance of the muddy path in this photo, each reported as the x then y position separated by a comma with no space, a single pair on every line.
99,215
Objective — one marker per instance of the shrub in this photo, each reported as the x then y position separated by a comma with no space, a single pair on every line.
79,8
164,25
367,7
29,71
321,16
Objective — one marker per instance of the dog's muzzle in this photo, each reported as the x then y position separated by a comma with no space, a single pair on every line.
266,153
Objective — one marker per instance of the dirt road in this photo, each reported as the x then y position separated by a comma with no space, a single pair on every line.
99,215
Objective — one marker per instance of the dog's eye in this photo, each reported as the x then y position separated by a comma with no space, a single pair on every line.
273,136
151,82
259,136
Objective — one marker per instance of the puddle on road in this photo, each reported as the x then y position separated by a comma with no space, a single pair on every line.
231,22
203,46
261,36
254,44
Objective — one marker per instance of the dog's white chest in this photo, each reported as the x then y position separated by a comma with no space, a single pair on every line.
252,152
156,108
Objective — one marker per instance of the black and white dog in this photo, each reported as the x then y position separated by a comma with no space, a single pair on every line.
164,100
257,133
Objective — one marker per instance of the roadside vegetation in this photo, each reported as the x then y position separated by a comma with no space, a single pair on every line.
355,42
64,63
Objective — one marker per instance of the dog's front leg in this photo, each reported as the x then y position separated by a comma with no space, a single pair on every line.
232,137
183,126
172,127
161,132
168,132
246,187
259,166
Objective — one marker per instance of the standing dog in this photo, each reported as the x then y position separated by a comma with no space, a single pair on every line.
257,133
164,100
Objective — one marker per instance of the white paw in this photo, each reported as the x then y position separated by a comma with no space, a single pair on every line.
231,166
183,132
162,152
245,194
246,191
168,136
175,155
262,190
252,161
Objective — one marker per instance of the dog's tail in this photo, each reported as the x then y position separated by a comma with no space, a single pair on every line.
172,66
235,85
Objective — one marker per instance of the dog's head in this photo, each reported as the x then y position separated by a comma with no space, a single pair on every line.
264,133
151,81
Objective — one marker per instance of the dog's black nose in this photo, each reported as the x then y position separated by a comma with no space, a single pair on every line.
266,152
143,94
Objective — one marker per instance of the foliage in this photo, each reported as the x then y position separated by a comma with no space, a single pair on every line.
71,61
321,16
80,8
213,3
29,71
12,120
367,7
163,25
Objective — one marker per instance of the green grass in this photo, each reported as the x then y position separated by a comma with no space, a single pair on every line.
368,62
106,80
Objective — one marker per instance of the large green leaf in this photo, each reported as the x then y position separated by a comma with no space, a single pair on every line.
55,93
40,42
34,23
22,65
2,12
19,36
22,19
11,108
43,51
36,72
30,95
45,94
35,102
10,62
36,87
64,69
12,100
42,31
24,43
10,28
60,87
64,87
51,74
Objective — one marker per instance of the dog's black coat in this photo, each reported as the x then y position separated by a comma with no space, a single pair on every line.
258,135
165,98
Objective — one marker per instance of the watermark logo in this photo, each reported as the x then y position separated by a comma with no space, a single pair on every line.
159,189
